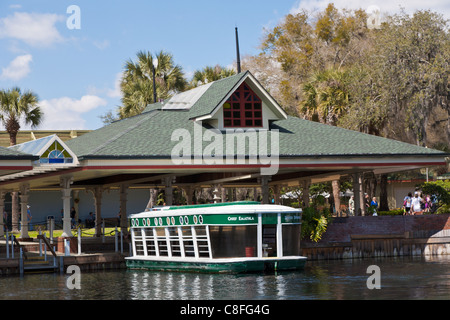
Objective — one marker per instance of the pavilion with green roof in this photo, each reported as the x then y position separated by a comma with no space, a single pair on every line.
228,133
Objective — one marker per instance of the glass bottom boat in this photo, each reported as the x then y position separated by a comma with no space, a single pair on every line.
231,237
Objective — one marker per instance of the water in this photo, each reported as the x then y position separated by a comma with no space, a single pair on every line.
401,278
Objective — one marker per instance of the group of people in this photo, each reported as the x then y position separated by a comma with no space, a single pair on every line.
368,204
412,205
416,205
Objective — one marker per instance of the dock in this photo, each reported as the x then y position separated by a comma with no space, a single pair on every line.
97,254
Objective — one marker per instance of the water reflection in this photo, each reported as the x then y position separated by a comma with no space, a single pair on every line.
401,278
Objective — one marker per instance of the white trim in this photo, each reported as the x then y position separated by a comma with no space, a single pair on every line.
168,244
133,241
203,118
144,241
155,239
208,240
259,236
180,240
279,236
194,241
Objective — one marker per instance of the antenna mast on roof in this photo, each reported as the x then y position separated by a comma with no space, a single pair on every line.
237,52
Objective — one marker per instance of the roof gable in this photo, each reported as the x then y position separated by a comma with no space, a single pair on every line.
215,94
50,149
213,99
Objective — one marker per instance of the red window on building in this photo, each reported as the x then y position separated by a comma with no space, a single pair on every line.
242,109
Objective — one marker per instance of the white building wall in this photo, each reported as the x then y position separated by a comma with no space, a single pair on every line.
49,203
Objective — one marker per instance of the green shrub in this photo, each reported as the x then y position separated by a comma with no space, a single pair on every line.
315,222
445,208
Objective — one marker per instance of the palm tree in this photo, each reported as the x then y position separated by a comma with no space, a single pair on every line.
326,96
210,74
14,107
137,81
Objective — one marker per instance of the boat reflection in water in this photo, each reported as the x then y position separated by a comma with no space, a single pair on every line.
149,285
231,237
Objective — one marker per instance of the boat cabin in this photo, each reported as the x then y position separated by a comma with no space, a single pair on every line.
216,232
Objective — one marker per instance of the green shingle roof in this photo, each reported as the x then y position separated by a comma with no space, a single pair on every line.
10,154
299,137
149,135
215,94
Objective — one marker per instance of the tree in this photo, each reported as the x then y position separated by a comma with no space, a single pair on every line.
210,74
391,81
404,79
14,107
440,190
326,96
137,81
305,45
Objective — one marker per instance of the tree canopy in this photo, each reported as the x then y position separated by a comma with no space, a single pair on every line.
391,81
15,106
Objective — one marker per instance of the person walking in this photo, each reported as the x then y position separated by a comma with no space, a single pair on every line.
29,217
407,204
351,206
374,205
428,203
416,204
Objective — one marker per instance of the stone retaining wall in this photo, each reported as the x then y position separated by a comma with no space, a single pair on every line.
361,237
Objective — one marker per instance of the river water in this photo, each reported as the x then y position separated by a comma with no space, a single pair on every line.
399,278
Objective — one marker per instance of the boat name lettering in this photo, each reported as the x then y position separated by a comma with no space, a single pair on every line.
241,218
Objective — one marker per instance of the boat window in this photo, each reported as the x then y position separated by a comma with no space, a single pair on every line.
161,242
202,241
188,243
150,242
291,240
174,242
139,245
233,241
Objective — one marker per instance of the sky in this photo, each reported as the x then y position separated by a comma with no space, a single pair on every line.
71,53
